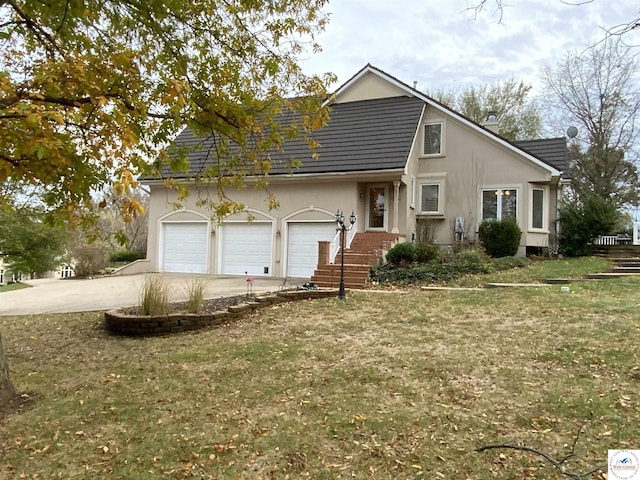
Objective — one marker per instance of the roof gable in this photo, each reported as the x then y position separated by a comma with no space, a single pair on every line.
400,86
367,85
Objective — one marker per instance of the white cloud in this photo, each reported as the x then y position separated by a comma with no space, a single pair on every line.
440,45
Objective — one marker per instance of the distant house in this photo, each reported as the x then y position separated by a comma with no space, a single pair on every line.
405,164
7,276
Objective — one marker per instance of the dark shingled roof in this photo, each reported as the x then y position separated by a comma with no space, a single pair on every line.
365,135
550,150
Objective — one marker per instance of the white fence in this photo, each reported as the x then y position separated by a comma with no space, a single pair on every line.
620,239
612,240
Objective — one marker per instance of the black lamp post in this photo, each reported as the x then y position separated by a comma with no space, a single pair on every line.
342,228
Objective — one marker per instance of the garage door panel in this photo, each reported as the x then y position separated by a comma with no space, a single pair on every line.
184,247
246,248
302,246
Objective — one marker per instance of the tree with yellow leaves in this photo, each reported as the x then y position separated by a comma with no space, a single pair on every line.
90,90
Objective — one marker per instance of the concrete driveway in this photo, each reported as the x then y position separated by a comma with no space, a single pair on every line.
107,293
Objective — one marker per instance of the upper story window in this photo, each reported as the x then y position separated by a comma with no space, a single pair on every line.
499,203
432,139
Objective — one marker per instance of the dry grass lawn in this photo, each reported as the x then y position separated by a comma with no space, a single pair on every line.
398,385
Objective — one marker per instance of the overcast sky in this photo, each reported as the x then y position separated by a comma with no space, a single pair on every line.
440,45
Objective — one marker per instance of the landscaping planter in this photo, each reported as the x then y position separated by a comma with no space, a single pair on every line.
123,322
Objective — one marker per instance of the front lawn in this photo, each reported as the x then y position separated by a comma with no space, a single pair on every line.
384,385
535,271
12,286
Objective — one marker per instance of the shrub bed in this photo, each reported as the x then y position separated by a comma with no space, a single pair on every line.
442,272
129,322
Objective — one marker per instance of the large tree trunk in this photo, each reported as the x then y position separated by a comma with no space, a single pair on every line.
7,390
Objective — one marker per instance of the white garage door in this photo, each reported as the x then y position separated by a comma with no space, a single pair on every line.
184,247
246,248
302,246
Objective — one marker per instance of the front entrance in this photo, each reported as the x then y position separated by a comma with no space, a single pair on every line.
377,208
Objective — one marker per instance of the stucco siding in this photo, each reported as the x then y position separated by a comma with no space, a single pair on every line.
306,201
468,164
369,87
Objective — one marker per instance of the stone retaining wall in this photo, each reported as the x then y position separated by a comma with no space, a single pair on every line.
120,323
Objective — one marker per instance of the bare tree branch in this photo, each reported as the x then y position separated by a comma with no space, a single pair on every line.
478,7
560,464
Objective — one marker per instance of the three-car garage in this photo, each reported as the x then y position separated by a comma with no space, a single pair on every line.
243,247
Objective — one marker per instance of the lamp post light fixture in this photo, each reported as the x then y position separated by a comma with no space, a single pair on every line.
343,228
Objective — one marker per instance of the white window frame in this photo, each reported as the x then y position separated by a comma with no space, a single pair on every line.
499,189
440,181
545,202
442,137
412,194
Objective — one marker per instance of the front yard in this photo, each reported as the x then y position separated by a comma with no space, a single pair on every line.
393,385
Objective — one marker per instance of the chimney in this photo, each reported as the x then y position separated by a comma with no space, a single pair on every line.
491,122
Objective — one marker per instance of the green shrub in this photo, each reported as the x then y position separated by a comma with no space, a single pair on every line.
581,223
402,254
195,295
428,253
472,256
154,297
500,238
127,256
89,260
506,263
431,273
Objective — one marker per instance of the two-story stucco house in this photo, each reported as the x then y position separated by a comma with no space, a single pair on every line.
401,161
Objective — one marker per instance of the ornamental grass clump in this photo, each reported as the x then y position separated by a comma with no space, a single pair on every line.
195,295
154,297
